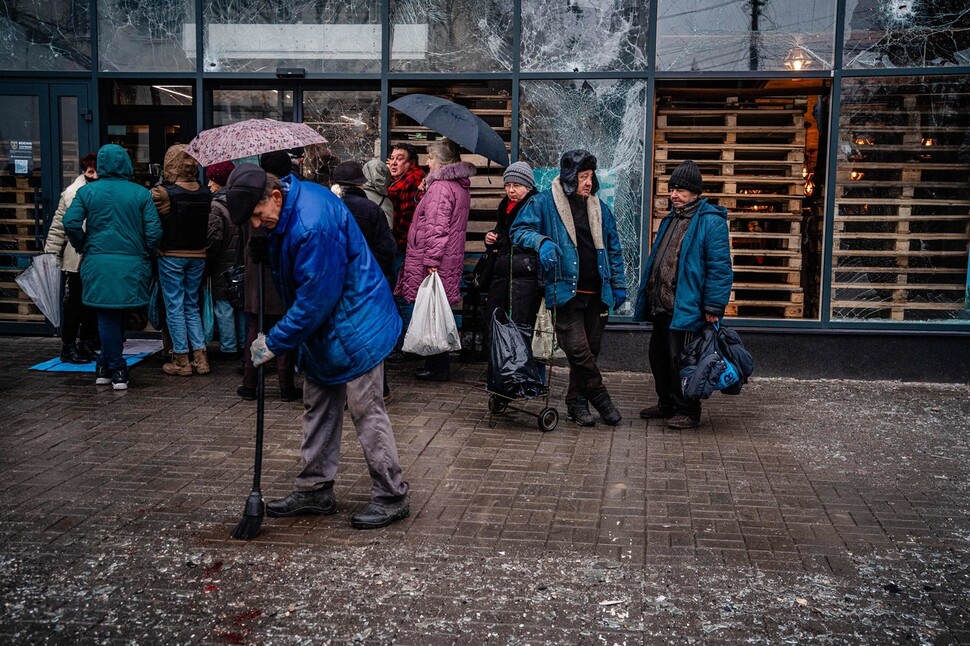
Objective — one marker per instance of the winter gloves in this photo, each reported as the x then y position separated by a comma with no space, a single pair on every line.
549,253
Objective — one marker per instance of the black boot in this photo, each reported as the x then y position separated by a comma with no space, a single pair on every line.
578,411
87,350
604,406
302,503
71,354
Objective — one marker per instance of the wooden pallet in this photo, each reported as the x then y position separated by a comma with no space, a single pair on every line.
751,155
902,226
19,233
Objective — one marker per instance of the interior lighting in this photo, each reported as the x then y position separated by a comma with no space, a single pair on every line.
797,60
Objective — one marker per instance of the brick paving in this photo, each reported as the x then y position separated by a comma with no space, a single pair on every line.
801,511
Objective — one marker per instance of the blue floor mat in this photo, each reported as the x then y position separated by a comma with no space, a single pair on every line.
135,351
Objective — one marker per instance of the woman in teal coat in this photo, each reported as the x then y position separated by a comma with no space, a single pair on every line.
114,224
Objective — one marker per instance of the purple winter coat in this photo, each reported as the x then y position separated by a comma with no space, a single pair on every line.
437,235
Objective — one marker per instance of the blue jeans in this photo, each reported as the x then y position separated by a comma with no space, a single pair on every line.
111,326
180,279
232,330
404,308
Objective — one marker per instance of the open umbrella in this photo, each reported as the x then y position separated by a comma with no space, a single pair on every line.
41,281
249,138
456,122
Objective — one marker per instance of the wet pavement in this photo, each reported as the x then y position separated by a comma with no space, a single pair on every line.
799,512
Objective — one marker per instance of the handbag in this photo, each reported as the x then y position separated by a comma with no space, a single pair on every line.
208,314
484,268
235,279
432,329
544,343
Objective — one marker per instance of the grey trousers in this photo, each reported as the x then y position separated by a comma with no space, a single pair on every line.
323,425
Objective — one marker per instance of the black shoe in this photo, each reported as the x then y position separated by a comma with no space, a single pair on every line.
604,406
381,514
656,412
119,379
225,356
247,393
102,376
87,350
578,411
683,421
70,353
423,374
303,503
291,394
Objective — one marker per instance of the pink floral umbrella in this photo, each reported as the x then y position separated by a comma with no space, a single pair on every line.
248,138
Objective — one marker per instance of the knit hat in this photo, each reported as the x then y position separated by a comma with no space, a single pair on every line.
219,173
520,173
244,190
349,172
687,176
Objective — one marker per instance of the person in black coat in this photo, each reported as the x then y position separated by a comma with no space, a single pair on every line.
348,178
510,262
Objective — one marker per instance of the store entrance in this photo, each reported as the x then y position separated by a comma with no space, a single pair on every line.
146,120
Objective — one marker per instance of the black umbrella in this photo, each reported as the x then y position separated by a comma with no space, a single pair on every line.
455,122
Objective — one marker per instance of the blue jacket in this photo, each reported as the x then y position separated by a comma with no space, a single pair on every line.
704,275
541,220
339,305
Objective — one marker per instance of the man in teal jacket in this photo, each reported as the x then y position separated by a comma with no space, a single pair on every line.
113,224
341,316
686,283
579,250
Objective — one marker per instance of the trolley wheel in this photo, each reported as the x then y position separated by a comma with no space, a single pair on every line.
496,404
548,419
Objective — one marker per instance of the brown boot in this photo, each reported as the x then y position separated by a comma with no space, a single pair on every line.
200,362
179,365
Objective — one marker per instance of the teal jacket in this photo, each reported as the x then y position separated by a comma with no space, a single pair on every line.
121,236
547,216
704,274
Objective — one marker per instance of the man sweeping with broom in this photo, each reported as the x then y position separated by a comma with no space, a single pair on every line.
340,312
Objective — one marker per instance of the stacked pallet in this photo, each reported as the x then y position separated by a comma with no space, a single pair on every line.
751,154
20,225
902,223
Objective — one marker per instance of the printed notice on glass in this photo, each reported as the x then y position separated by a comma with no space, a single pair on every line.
22,157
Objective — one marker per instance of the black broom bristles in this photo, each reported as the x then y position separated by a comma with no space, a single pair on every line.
252,518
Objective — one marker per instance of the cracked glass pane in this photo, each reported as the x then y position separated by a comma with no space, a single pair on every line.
906,33
317,35
146,35
584,36
350,120
902,220
605,117
703,35
45,35
451,35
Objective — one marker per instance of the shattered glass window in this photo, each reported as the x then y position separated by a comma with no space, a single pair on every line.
767,35
317,35
451,35
350,121
910,33
584,36
232,105
902,222
146,35
45,35
605,117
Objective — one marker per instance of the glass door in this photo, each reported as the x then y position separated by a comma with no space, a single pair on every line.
42,131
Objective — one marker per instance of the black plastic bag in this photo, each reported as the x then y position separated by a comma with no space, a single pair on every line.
512,371
235,286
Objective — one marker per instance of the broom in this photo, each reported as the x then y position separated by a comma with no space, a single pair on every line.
252,518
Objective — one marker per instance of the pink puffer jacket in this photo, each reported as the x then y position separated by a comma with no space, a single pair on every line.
437,235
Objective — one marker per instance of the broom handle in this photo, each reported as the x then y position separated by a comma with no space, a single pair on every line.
260,387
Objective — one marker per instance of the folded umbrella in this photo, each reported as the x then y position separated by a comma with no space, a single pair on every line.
456,122
41,281
249,138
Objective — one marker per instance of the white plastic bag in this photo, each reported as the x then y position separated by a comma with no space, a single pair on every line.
432,329
544,345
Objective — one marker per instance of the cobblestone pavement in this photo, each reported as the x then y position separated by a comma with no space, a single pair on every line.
799,512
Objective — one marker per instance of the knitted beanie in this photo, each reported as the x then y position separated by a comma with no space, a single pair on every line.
520,173
219,173
687,176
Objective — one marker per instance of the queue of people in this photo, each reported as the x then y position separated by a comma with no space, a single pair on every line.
342,269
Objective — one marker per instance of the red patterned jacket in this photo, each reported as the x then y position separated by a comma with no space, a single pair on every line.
404,196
